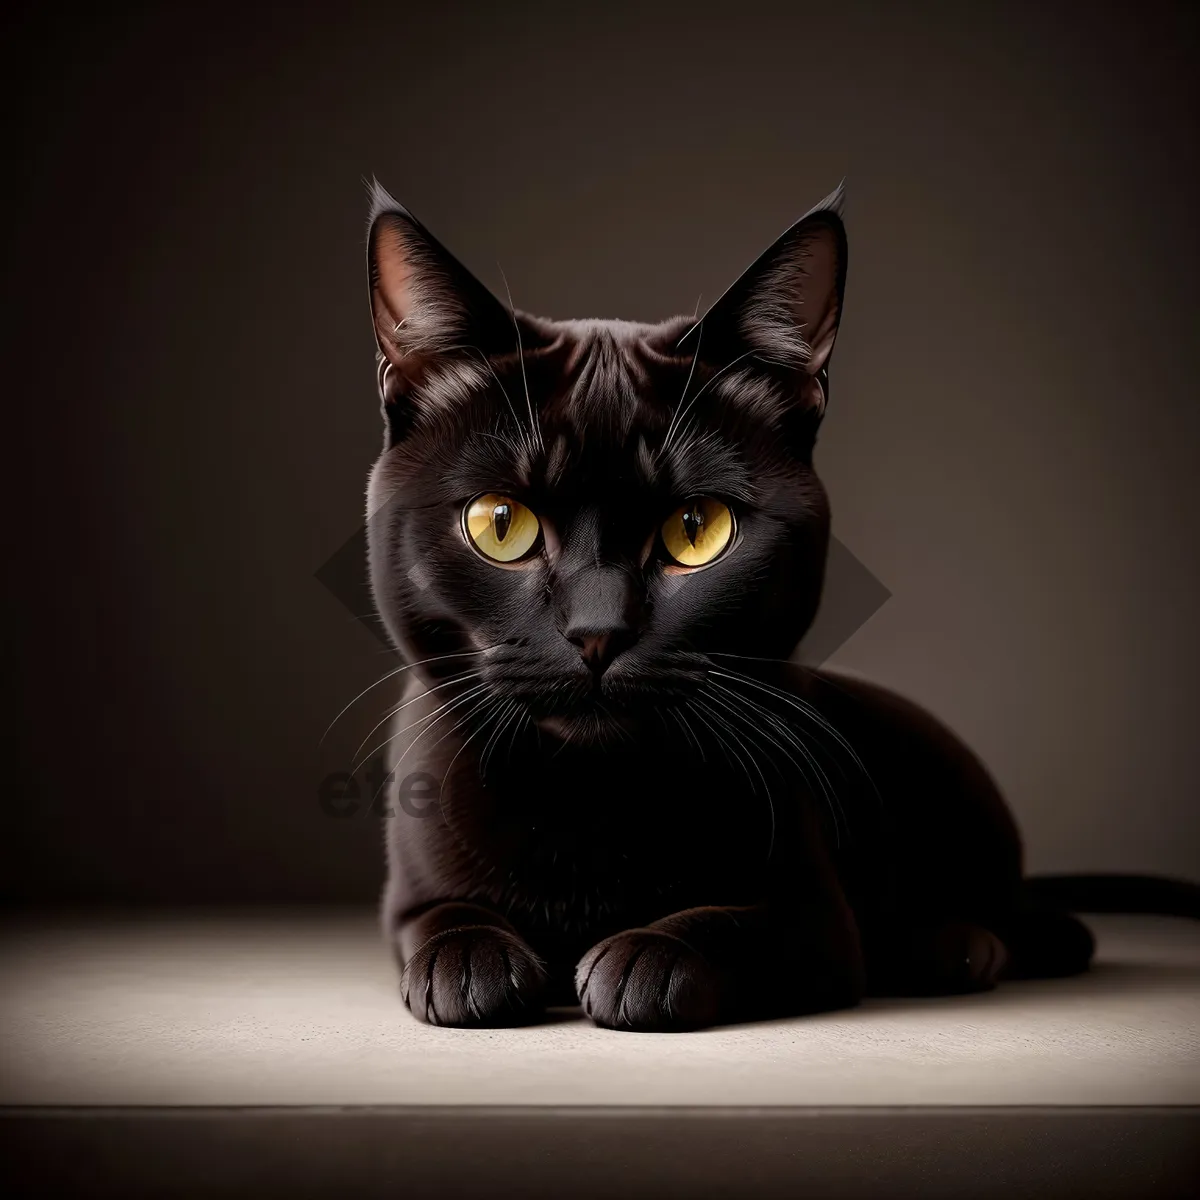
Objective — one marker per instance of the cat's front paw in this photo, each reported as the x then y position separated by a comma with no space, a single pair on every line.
649,981
474,976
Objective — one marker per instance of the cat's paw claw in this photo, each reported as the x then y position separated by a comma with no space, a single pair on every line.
476,976
648,981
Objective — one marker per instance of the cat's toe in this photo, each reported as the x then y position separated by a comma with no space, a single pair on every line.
648,981
475,976
960,957
973,958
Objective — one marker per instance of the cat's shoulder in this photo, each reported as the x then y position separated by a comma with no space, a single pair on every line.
854,696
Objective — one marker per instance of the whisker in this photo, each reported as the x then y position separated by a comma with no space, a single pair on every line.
808,710
688,733
482,703
404,704
689,707
507,710
451,704
504,391
716,731
687,384
748,657
518,725
792,737
767,791
391,674
749,753
466,742
692,403
534,424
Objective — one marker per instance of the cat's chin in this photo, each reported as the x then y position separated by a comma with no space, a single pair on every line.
588,729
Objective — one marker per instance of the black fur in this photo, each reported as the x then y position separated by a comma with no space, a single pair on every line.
642,803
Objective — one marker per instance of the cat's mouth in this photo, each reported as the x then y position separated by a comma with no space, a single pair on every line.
608,709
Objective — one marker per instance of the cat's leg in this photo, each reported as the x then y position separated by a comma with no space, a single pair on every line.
1047,944
706,966
464,965
948,957
933,958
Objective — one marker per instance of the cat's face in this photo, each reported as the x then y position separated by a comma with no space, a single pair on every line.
573,522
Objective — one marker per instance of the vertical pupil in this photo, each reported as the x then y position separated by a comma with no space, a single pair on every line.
501,520
693,522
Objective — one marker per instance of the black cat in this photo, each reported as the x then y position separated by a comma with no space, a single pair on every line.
597,544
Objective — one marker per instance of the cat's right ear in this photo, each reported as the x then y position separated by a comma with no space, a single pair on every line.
427,308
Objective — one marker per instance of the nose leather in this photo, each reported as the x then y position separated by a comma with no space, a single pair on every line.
599,607
599,649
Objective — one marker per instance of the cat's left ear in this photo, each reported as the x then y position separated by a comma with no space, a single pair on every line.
785,309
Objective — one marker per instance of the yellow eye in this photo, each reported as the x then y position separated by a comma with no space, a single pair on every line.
500,528
696,533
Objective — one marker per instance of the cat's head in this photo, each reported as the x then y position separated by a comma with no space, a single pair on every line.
583,511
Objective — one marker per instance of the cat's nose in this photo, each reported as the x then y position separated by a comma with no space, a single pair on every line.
599,648
598,612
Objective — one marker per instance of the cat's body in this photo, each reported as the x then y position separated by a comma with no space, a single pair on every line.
889,876
597,544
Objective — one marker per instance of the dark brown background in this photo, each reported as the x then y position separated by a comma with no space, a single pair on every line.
1012,446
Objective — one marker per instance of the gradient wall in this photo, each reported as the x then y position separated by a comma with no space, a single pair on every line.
1012,444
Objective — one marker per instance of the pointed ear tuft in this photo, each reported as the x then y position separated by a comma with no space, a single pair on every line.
792,310
835,203
785,309
380,201
415,302
425,305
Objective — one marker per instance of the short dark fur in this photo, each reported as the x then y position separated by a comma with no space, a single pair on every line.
642,803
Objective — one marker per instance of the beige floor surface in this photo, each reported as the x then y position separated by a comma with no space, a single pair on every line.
301,1008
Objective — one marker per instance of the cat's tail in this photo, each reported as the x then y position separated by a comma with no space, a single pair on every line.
1152,894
